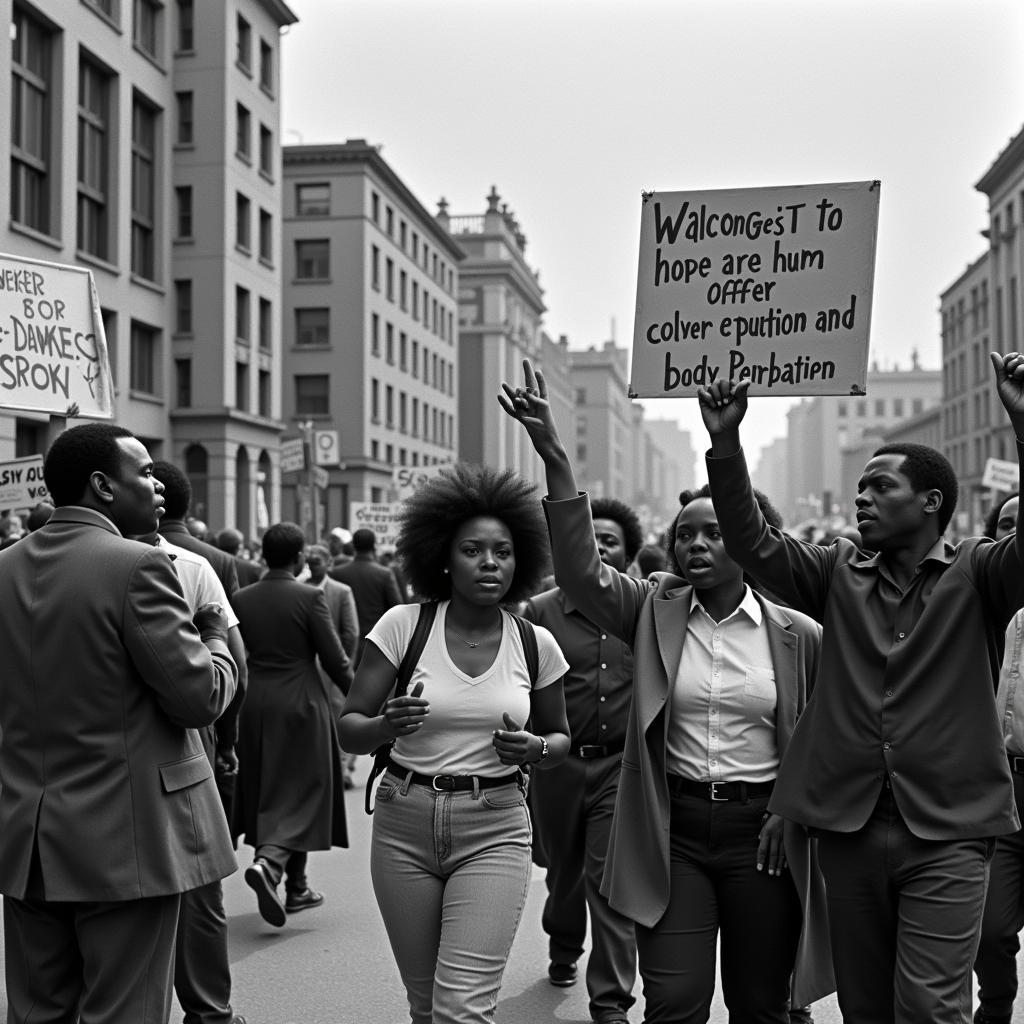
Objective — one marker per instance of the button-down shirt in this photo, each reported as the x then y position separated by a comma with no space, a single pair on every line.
598,685
722,710
906,682
1010,696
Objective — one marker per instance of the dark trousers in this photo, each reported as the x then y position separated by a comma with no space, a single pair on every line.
904,917
202,972
717,891
289,863
996,963
94,963
572,808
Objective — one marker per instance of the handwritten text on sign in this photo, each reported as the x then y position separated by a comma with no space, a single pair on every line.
770,285
21,483
53,351
381,517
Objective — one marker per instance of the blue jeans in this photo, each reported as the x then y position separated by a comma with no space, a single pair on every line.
450,872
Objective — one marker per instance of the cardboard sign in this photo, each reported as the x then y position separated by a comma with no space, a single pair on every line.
769,285
21,483
405,479
381,517
1000,475
53,351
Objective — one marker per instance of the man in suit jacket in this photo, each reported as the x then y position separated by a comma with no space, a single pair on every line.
340,602
177,498
230,541
373,585
108,807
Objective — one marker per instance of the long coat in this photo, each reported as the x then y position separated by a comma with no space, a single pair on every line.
290,789
652,616
104,683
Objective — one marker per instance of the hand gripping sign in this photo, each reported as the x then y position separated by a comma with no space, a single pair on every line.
53,352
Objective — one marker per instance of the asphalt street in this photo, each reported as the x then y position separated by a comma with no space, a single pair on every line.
332,965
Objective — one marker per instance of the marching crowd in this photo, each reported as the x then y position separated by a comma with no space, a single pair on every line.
801,762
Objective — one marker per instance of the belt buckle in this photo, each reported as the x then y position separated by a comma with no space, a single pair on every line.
1017,765
443,783
715,798
587,751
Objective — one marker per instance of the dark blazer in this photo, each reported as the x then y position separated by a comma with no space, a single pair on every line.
248,571
373,587
103,686
342,606
651,616
290,788
223,563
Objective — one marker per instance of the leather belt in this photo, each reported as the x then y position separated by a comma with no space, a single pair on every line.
588,751
455,783
719,792
1016,764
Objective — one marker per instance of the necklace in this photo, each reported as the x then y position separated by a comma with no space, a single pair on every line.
472,643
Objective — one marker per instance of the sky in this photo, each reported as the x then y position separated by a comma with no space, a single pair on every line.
572,108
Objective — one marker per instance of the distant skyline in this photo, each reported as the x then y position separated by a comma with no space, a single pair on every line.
571,108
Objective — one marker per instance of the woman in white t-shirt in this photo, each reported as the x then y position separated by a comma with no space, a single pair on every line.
450,856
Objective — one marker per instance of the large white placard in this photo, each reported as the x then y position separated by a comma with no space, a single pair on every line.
53,351
768,285
381,517
21,483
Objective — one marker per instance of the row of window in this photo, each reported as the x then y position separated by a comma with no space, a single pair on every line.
184,132
954,369
437,371
954,415
409,242
435,317
184,315
881,407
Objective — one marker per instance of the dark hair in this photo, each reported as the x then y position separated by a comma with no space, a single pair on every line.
434,512
177,489
38,516
768,510
230,540
79,452
364,540
281,545
992,519
927,470
650,558
619,512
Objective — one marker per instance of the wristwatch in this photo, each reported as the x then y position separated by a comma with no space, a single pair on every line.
543,749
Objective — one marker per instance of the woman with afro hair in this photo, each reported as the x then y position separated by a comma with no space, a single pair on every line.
720,675
450,855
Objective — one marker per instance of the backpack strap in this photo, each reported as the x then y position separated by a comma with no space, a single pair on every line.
529,640
418,640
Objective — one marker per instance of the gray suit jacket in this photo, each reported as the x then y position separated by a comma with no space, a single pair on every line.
103,686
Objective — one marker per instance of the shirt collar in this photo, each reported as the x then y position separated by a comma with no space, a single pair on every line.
940,551
749,605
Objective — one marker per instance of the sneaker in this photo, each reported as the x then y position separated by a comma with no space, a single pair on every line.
257,877
305,900
562,975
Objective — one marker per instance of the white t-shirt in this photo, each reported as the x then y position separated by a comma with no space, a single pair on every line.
456,737
198,580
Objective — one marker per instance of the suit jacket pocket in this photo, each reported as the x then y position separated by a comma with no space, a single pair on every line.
181,774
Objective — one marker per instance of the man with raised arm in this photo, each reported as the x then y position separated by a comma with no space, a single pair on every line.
897,762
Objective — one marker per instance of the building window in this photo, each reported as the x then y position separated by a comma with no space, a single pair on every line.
389,344
93,159
266,66
243,321
917,405
31,81
389,221
186,26
266,236
897,407
312,200
375,334
266,324
183,213
403,290
375,207
183,382
312,259
842,412
879,406
242,386
185,119
375,268
243,131
415,359
389,409
390,279
374,401
403,351
266,151
108,8
243,222
403,421
146,27
243,55
144,135
264,392
311,395
145,351
183,306
313,326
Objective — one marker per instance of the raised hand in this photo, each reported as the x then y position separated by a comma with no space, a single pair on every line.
723,405
1009,371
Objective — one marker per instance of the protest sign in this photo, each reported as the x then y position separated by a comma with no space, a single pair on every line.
381,517
405,479
53,351
1000,475
21,483
771,286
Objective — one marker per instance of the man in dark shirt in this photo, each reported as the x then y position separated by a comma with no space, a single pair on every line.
897,762
573,804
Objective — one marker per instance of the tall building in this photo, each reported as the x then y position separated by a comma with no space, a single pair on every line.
143,144
669,469
501,305
370,330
